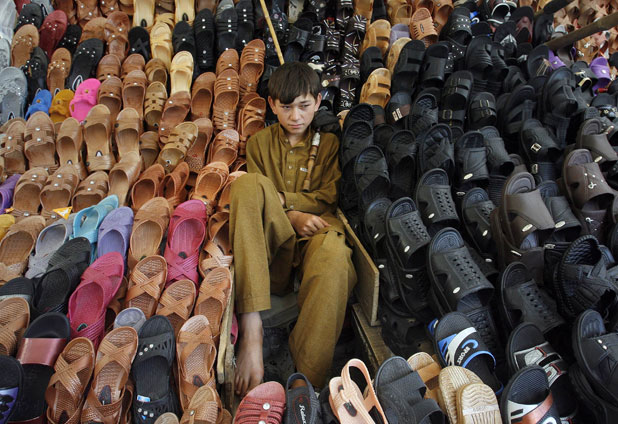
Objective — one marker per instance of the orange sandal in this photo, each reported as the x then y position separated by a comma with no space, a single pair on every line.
110,95
147,186
175,111
58,192
224,147
226,100
127,131
149,148
209,183
217,251
197,152
13,150
202,95
213,297
422,27
149,227
146,284
251,66
123,175
156,95
134,91
176,303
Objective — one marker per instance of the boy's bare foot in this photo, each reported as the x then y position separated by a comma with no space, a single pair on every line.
249,361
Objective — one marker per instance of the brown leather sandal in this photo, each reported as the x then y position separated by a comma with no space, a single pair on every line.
67,386
197,152
209,183
176,303
377,89
442,9
239,165
40,141
422,27
378,34
24,41
147,186
149,147
251,66
86,10
58,70
181,72
68,7
127,131
228,60
94,28
108,6
196,353
58,192
175,111
13,150
156,96
123,175
224,147
156,71
399,11
90,191
69,146
251,119
202,95
97,133
149,227
110,95
134,91
146,284
213,297
14,319
223,205
217,251
172,187
226,100
16,246
134,62
175,149
27,190
117,34
109,66
112,369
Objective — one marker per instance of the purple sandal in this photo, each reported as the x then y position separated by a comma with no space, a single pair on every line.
6,191
115,231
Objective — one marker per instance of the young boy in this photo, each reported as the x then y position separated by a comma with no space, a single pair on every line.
276,227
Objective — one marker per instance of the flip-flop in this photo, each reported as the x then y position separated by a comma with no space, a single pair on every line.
114,232
86,57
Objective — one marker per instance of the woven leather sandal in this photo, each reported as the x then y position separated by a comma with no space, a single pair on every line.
224,147
196,154
226,100
213,297
156,96
209,183
176,303
217,251
110,95
116,34
14,319
146,284
228,60
156,71
175,111
109,66
16,246
250,120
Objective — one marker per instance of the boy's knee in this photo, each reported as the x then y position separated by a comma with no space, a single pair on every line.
249,183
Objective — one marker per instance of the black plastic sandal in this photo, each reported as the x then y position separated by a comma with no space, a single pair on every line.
457,31
401,154
371,176
18,287
434,200
408,67
424,113
478,61
71,38
559,103
227,29
482,111
514,78
436,150
476,208
498,159
350,79
471,161
151,371
35,70
591,136
401,331
11,386
85,60
434,63
455,95
244,11
540,150
183,38
567,227
204,33
297,39
356,136
374,224
518,108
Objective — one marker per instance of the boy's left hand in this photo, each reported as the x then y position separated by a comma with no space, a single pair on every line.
306,224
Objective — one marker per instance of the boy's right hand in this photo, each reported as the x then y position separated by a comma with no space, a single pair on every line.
306,224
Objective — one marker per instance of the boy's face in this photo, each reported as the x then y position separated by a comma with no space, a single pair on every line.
296,117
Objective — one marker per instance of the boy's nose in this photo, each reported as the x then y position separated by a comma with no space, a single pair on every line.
295,114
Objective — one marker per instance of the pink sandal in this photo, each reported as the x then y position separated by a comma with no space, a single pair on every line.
85,98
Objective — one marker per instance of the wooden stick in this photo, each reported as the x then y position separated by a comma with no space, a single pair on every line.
273,34
571,38
552,7
313,153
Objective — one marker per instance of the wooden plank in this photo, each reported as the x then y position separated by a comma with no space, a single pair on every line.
368,286
372,343
225,356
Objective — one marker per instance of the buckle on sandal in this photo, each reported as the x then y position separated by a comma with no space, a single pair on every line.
535,147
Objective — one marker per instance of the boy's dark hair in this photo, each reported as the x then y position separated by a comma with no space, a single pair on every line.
291,80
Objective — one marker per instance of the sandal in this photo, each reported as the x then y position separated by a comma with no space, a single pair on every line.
26,199
196,356
97,133
149,227
161,43
156,71
110,95
422,27
16,246
401,153
149,148
123,176
371,176
537,404
114,234
104,401
175,111
23,43
209,183
476,210
40,142
116,34
181,72
14,319
58,70
90,191
134,91
224,147
436,150
177,144
217,251
540,150
265,402
205,407
147,186
176,302
59,110
69,146
202,95
196,154
12,151
455,97
108,67
377,88
428,370
226,97
213,296
470,161
146,284
58,192
172,187
251,66
127,131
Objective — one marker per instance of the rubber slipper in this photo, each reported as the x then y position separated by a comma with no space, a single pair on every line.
123,176
176,302
49,240
14,319
11,386
149,227
23,43
67,386
58,192
71,38
114,232
458,343
371,175
205,407
13,85
428,370
527,397
18,287
63,273
40,145
434,200
213,297
146,283
186,233
266,402
476,209
109,385
86,57
109,67
90,191
69,144
196,354
41,103
175,111
16,246
87,221
400,391
85,99
130,317
49,334
528,347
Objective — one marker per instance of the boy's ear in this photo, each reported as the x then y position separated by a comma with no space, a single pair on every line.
318,100
271,102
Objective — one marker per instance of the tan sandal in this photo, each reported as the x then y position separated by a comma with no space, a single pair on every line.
209,183
149,227
58,192
428,370
205,407
213,297
117,34
399,11
16,246
197,152
377,89
364,8
134,91
378,34
90,191
58,70
146,284
175,149
110,95
172,187
181,72
25,39
111,372
202,95
108,67
97,133
161,43
217,251
224,147
175,111
156,71
40,142
156,96
69,146
27,191
149,147
123,175
13,150
226,100
147,186
134,62
251,66
394,51
176,303
196,353
93,28
442,9
14,319
127,131
251,120
143,13
422,27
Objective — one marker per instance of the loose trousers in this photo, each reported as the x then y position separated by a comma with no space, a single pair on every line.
266,249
